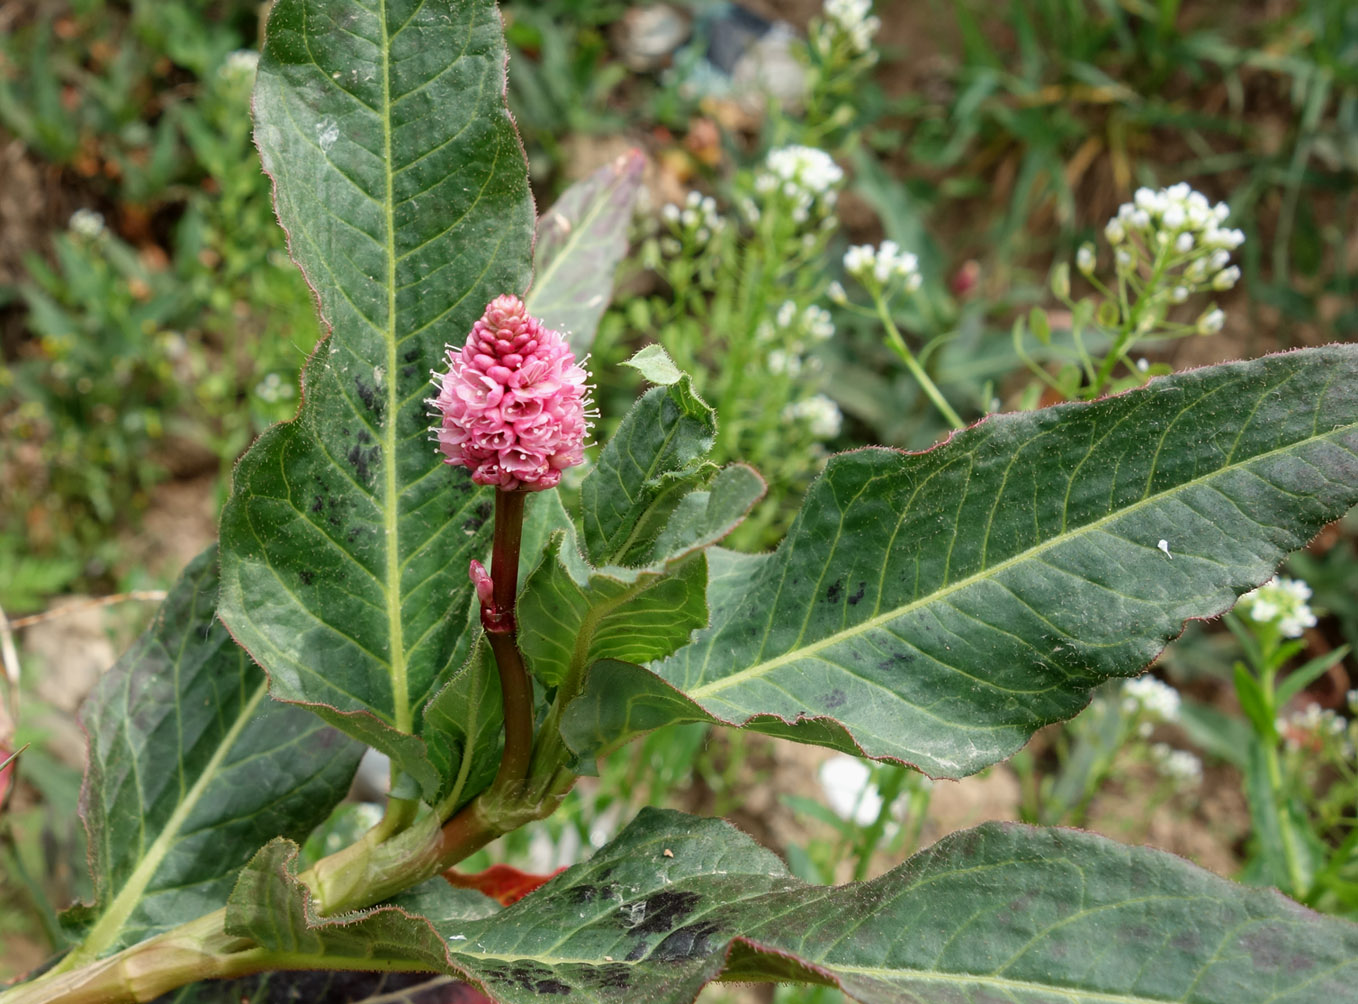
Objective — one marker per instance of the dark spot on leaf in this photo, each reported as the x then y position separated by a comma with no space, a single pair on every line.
835,591
862,588
318,504
367,393
615,976
1266,948
306,577
895,660
362,459
408,372
695,940
478,517
1187,942
834,699
551,987
412,356
638,950
665,909
353,533
584,893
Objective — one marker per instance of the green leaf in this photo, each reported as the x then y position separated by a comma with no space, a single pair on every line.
580,241
191,768
938,608
403,188
1003,912
332,988
571,616
1252,700
464,724
652,461
270,907
655,364
1303,676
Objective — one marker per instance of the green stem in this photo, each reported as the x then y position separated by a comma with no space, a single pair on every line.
897,343
1296,876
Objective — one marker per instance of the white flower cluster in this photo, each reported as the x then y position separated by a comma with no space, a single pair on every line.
1283,602
848,787
1315,721
697,219
1179,766
806,179
813,322
87,223
789,332
854,21
1146,693
1186,228
273,388
241,63
879,266
821,415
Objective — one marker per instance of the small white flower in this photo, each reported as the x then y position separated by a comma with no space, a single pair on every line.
1178,294
1211,322
1085,259
1184,243
821,415
852,19
669,212
1115,232
787,313
87,223
784,363
1226,278
848,787
242,63
817,323
1281,601
1179,766
837,294
1124,259
1147,693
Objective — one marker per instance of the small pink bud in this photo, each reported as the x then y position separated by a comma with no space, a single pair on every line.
485,589
513,404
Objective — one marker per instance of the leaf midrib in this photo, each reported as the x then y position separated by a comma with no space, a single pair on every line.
400,687
797,653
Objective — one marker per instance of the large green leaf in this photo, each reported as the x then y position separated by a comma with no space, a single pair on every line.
191,768
1003,912
580,241
938,608
403,188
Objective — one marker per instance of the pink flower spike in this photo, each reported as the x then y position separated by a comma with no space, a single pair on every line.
485,589
514,404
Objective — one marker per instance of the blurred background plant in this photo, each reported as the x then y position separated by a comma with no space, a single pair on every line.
864,226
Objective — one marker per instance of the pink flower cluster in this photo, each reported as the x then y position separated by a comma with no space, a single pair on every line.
513,402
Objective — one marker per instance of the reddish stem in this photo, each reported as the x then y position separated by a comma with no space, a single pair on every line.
497,617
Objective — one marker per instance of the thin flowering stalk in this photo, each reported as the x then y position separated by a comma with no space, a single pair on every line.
897,343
